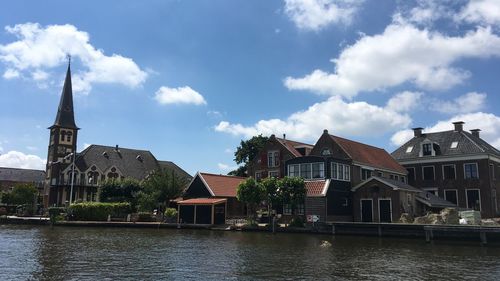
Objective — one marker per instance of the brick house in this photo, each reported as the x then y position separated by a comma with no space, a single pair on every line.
456,165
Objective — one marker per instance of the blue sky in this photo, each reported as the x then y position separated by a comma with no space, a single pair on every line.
188,80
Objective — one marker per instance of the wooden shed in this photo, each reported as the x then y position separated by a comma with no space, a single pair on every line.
202,211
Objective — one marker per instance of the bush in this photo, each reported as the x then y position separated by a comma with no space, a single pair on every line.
171,213
296,222
54,211
145,216
3,211
98,211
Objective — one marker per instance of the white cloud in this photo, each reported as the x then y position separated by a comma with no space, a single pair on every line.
181,95
225,167
356,118
486,12
404,101
16,159
228,150
11,74
317,14
487,122
41,48
402,53
470,102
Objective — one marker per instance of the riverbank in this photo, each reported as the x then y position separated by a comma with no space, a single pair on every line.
482,234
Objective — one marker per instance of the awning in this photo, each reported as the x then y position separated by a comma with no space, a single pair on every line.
202,201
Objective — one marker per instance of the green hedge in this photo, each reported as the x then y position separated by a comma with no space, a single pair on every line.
98,211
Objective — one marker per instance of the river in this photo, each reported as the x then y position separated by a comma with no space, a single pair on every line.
74,253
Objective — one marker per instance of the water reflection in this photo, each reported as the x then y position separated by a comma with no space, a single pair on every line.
42,253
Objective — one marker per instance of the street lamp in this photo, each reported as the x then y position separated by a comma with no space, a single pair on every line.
72,176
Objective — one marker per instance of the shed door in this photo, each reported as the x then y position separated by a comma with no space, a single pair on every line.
366,210
385,210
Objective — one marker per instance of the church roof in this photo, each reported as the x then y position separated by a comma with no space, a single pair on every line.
21,175
65,113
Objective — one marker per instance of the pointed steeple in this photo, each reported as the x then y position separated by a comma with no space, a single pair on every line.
65,113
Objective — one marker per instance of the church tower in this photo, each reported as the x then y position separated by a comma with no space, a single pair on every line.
62,142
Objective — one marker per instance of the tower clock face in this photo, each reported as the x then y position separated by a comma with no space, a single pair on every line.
60,150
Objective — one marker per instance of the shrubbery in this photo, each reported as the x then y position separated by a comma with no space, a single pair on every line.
98,211
296,222
145,216
171,213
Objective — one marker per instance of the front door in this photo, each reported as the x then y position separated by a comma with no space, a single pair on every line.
366,210
385,210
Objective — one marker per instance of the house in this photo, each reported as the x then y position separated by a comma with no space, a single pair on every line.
211,188
270,161
72,176
455,165
343,164
10,177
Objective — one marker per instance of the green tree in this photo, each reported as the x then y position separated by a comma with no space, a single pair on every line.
292,191
160,187
251,193
246,152
271,192
23,194
120,190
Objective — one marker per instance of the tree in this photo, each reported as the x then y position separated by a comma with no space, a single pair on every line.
292,191
246,152
271,191
251,193
160,187
240,172
120,190
23,194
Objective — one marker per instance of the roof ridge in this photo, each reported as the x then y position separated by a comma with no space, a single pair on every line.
113,147
219,175
369,145
298,142
23,169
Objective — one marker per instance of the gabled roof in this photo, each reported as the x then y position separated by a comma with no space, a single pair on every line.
433,201
178,170
369,155
21,175
130,162
65,114
394,184
317,188
293,145
221,185
466,144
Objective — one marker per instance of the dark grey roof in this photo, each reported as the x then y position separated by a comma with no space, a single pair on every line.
21,175
172,166
433,201
130,162
467,144
65,113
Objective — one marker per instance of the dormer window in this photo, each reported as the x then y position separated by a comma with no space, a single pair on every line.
409,149
454,144
426,149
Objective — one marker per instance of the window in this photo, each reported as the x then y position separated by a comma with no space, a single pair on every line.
396,178
403,179
473,199
113,174
300,209
454,144
470,171
426,149
380,174
287,209
294,170
365,174
273,174
411,173
68,137
258,175
341,172
305,170
449,172
318,170
391,177
451,195
428,172
273,159
409,149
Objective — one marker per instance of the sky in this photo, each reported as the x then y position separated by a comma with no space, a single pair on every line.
188,80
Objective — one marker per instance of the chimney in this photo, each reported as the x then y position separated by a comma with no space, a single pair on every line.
325,131
417,132
475,132
459,126
284,136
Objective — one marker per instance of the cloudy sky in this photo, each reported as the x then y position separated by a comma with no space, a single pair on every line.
188,80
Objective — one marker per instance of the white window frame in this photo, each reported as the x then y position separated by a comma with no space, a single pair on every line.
454,168
433,153
312,170
409,149
433,190
296,170
301,209
361,207
434,172
477,170
346,171
361,173
414,173
467,198
390,207
454,145
273,157
299,165
456,194
277,172
285,209
258,177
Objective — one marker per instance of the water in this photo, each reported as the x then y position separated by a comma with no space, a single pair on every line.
71,253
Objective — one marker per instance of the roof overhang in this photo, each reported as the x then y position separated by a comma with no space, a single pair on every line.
202,201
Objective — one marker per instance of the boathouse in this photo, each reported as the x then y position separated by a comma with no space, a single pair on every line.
202,211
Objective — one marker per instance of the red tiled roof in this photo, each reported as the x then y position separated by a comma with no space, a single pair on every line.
369,155
221,185
291,145
202,201
316,188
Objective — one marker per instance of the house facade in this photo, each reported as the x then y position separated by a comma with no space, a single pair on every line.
10,177
455,165
72,176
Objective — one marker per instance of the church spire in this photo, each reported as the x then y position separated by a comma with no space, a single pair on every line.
65,113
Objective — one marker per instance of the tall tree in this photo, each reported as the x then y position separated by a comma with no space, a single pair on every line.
120,190
160,187
246,152
251,193
293,191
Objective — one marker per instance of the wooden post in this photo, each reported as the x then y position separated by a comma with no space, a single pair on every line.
194,214
213,210
379,230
